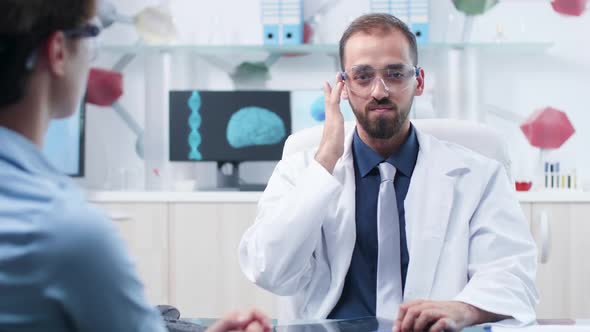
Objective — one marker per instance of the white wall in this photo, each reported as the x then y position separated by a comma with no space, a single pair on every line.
560,79
519,83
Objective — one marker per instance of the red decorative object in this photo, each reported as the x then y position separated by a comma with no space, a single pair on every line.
570,7
104,87
547,128
523,185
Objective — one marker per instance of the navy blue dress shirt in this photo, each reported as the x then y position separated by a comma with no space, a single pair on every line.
359,295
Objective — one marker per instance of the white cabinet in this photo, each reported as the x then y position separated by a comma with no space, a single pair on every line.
205,273
561,231
579,272
186,252
143,227
550,225
527,210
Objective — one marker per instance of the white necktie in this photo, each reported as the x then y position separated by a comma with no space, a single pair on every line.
389,281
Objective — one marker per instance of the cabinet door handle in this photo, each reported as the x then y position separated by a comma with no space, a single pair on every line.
545,233
119,217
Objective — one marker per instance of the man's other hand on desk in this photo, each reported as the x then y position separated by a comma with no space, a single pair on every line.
437,316
250,321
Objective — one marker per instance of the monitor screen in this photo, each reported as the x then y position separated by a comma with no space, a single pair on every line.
230,126
307,109
64,143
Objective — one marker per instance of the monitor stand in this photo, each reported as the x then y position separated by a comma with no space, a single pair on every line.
228,178
252,187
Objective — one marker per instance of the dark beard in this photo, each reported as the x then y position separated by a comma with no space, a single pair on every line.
382,128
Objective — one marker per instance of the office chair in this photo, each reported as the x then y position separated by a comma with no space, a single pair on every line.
472,135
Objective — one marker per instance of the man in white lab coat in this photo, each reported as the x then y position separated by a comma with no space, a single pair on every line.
455,249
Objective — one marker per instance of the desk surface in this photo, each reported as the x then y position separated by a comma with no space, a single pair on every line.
210,321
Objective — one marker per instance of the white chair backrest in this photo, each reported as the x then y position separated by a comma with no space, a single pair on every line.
472,135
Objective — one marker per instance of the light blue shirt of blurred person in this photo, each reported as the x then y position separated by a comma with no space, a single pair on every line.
62,265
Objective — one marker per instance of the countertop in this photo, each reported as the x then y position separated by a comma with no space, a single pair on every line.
253,197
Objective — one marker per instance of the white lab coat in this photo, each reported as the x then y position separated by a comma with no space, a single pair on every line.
467,236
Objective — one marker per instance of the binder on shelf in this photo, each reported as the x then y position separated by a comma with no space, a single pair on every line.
292,22
282,22
419,22
412,12
270,21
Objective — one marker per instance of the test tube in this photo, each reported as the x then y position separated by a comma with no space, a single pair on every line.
546,175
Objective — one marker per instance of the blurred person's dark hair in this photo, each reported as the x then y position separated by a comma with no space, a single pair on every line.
24,27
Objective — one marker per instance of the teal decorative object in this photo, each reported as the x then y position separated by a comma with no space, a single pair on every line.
474,7
194,122
252,126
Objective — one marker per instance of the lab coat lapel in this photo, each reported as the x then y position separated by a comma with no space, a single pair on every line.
341,229
427,210
344,172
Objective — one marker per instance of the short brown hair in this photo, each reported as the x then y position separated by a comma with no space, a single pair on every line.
24,25
380,22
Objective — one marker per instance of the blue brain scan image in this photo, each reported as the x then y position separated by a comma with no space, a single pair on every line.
252,126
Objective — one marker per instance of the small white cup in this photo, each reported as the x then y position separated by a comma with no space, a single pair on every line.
185,185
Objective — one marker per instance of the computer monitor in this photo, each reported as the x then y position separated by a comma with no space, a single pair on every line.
307,109
229,127
64,143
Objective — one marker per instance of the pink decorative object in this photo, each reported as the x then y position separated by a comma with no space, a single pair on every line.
570,7
547,128
104,87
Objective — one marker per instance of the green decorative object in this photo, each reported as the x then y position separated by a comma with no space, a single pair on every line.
474,7
251,75
249,70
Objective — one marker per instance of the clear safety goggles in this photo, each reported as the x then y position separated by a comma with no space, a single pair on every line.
89,31
363,79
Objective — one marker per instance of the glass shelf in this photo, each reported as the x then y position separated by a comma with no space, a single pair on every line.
326,49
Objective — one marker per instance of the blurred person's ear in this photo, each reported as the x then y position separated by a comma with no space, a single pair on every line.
56,53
